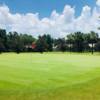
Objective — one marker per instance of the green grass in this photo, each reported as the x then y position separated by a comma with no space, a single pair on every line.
49,76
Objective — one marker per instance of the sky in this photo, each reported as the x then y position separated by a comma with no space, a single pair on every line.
58,18
45,7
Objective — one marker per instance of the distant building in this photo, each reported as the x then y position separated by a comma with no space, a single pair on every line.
32,46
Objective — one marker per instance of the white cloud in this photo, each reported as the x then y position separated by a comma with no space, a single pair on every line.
58,24
98,2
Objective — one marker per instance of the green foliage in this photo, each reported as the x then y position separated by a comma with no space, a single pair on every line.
76,42
3,40
60,44
41,44
44,43
80,42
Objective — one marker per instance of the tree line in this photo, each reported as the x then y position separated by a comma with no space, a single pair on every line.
74,42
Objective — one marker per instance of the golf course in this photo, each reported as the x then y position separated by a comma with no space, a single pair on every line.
49,76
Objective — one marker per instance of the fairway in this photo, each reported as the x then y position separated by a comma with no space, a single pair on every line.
49,76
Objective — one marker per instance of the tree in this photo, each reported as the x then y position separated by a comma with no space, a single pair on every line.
63,45
27,41
60,44
93,38
2,47
97,46
49,41
70,41
3,40
41,44
78,41
14,42
17,42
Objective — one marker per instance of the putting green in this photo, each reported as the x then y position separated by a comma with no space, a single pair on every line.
49,76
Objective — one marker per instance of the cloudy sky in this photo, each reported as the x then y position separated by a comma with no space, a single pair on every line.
54,17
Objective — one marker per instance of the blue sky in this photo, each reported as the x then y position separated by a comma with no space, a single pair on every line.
45,7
